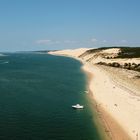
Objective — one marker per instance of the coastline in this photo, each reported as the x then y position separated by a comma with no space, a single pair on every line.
117,108
100,124
112,130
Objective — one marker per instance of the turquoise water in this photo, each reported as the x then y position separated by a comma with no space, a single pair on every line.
36,94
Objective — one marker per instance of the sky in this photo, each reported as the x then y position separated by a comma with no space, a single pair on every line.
27,25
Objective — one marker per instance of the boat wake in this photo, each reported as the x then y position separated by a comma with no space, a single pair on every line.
5,62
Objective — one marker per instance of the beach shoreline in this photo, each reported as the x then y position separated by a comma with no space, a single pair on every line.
101,126
117,106
109,131
110,126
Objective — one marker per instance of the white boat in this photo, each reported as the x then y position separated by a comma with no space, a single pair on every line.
77,106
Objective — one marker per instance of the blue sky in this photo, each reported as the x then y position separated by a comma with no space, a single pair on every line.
61,24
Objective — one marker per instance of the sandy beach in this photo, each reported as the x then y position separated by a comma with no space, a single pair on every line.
116,95
107,104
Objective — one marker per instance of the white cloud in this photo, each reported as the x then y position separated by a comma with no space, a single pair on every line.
45,41
94,40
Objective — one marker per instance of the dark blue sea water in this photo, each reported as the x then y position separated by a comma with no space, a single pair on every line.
36,94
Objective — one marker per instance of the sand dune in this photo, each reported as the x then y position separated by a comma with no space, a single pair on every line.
72,53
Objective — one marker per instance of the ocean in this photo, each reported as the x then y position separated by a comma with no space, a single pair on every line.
36,95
